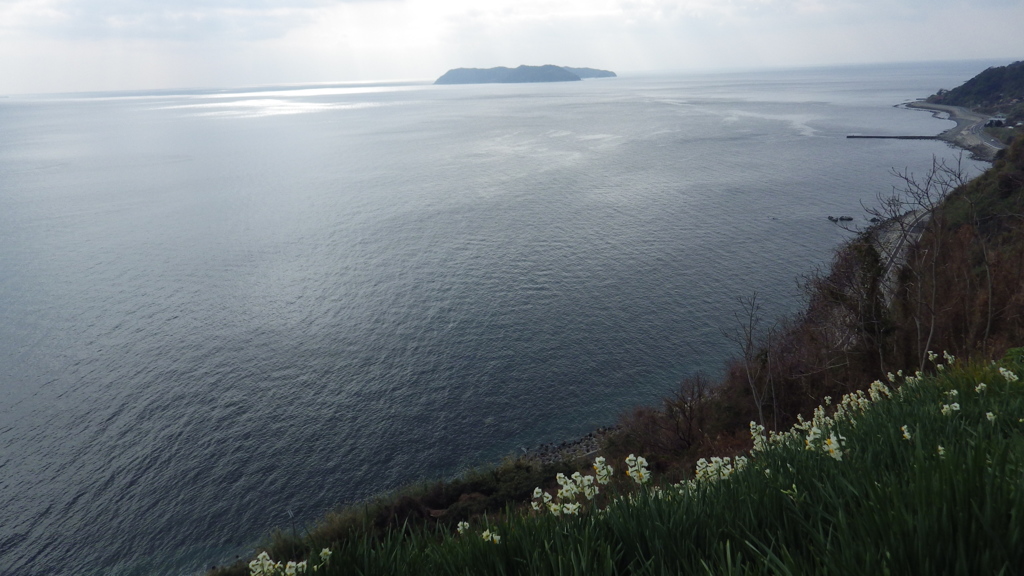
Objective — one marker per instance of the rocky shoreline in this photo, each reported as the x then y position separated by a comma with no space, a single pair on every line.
570,449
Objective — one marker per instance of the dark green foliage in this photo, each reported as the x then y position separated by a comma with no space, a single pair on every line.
999,87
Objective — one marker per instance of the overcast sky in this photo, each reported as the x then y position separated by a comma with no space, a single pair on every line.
73,45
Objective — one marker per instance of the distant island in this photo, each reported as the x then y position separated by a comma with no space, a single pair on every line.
503,75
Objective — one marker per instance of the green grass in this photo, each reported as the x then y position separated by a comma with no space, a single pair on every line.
890,506
1004,134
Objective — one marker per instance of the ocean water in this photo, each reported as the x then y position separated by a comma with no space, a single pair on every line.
227,311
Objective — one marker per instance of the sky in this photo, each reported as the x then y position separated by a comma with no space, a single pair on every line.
95,45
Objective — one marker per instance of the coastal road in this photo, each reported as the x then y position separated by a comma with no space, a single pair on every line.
969,131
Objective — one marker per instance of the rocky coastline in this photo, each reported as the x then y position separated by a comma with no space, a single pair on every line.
570,449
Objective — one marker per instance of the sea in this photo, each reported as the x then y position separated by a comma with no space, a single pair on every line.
229,311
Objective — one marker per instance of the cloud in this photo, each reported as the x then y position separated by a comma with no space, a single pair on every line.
51,45
662,11
708,33
263,19
154,19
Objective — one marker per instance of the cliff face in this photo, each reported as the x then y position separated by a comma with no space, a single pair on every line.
503,75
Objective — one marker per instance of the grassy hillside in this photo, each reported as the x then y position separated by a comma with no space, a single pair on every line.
922,476
887,504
